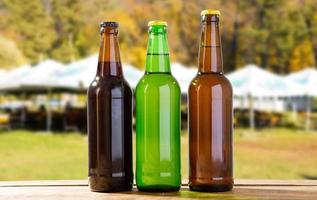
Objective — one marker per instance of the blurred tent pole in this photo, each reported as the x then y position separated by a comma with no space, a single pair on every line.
308,113
60,97
274,109
23,111
48,111
294,111
251,112
275,101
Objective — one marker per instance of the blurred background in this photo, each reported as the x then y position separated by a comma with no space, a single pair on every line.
48,57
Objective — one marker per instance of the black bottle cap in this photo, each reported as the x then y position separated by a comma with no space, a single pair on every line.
109,24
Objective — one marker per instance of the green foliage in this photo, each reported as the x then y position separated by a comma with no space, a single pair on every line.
67,26
33,25
10,55
302,55
277,35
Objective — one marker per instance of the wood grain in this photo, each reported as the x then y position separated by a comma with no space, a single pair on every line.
78,189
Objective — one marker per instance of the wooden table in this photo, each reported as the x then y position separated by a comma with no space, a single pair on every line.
244,189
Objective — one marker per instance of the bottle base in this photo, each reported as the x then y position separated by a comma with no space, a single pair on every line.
211,188
158,188
106,184
207,185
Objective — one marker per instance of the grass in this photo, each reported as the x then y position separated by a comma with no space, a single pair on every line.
276,154
25,155
265,154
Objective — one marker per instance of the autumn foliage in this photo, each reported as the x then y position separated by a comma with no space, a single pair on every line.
280,36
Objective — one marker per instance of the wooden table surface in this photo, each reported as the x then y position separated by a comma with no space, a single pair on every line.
243,189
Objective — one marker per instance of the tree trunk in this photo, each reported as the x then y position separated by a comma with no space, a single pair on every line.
71,46
312,38
235,36
263,54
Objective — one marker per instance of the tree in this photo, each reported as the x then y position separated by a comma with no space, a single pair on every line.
269,38
277,35
309,13
302,56
190,32
10,56
35,33
67,26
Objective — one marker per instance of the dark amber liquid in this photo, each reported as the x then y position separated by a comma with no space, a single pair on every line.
110,130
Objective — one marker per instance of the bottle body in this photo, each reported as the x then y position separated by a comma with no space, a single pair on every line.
109,116
110,134
158,118
158,133
210,133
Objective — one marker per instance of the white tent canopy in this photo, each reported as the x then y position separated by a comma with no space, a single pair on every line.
250,80
79,74
256,82
307,81
14,77
27,77
132,74
183,75
40,75
3,74
52,74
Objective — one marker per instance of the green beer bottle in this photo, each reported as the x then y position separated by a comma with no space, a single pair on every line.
158,118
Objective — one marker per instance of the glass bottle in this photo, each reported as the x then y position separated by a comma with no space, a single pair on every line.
210,114
109,113
158,118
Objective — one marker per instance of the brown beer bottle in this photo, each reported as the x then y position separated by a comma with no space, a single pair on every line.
210,114
109,119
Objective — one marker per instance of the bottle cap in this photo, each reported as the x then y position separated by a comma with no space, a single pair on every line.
210,12
109,24
157,23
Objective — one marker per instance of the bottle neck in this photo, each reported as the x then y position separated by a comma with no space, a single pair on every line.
210,52
157,59
109,62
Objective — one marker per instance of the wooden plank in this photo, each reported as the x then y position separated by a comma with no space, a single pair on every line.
44,183
244,189
82,192
267,182
238,182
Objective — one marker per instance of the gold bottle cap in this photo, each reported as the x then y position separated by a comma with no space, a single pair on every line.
157,23
210,12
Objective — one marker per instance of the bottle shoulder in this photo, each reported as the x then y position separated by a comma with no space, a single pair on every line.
109,83
209,81
158,80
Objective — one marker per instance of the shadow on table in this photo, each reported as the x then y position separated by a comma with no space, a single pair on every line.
187,194
309,177
238,193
